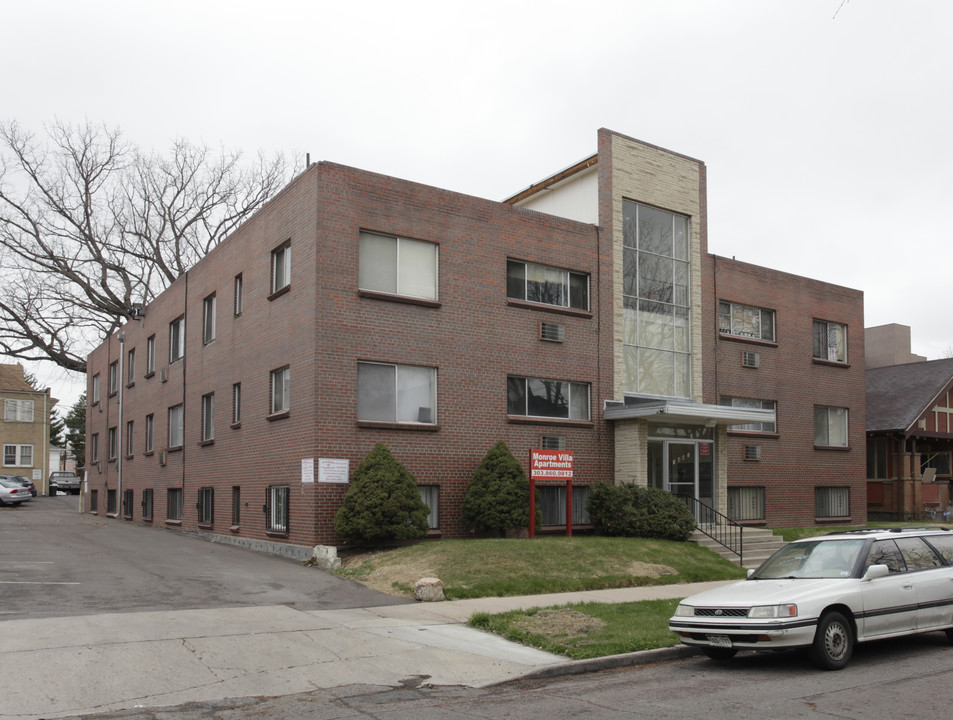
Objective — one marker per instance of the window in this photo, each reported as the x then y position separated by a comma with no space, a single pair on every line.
746,503
206,505
398,266
745,321
938,460
111,501
130,367
94,501
396,393
877,458
765,427
830,426
547,398
94,447
430,496
147,504
208,319
208,417
151,354
127,498
130,437
176,426
150,433
831,502
18,411
113,377
553,442
276,509
281,267
113,446
239,294
236,505
176,339
830,341
95,393
547,285
280,390
552,504
18,455
236,404
174,504
656,300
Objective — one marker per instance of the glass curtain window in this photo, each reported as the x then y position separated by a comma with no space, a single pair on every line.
396,393
398,266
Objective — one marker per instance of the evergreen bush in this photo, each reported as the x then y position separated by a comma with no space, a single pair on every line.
382,504
497,498
633,511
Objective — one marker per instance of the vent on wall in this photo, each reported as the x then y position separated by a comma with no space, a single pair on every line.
752,452
163,457
163,376
553,332
553,442
750,359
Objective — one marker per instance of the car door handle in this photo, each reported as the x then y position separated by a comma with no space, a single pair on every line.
908,587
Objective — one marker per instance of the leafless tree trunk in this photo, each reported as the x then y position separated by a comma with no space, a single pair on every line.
90,226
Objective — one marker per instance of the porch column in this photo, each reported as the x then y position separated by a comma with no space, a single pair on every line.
631,452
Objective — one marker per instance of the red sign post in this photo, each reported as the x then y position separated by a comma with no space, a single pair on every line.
550,465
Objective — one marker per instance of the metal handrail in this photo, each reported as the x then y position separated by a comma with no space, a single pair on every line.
720,528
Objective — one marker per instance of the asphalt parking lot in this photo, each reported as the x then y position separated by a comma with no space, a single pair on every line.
56,562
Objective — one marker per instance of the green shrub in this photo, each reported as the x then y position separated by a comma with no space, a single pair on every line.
497,497
634,511
382,504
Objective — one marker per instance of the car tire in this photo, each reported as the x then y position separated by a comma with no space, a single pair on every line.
720,654
949,636
833,642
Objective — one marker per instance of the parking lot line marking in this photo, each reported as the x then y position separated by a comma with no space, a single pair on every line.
29,582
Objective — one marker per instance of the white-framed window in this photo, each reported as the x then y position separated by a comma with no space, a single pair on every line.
94,447
239,295
280,390
830,341
236,403
831,502
281,267
174,504
130,438
130,366
208,319
765,427
430,496
18,410
147,504
206,505
745,321
113,377
548,285
276,508
656,301
150,354
113,443
17,455
533,397
150,433
830,426
208,417
176,426
95,391
398,266
396,393
177,339
746,503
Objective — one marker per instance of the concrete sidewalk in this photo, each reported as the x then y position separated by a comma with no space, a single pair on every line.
97,663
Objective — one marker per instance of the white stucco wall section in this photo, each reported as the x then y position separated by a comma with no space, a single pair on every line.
576,198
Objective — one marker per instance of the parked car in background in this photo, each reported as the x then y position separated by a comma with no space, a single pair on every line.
27,483
12,492
828,593
65,481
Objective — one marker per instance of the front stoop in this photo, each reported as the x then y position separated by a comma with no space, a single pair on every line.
758,545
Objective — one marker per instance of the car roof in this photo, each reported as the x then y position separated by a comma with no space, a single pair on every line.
883,533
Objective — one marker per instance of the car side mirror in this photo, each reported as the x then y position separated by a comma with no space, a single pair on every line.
750,572
876,571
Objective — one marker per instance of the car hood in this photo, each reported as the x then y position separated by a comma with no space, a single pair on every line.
770,592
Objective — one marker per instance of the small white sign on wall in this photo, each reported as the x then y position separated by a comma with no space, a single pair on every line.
307,470
331,470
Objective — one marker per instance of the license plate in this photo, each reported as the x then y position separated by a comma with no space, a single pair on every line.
719,641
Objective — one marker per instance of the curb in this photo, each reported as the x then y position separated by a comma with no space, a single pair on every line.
610,662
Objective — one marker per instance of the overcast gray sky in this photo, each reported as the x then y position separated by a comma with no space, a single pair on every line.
825,124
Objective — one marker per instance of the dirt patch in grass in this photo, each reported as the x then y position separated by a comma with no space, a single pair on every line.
650,570
392,579
560,622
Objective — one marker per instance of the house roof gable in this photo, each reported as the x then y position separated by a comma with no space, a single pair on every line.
898,395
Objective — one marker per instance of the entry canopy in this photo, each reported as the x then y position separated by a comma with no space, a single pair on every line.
674,410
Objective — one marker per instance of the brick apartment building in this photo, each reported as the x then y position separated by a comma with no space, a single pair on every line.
584,313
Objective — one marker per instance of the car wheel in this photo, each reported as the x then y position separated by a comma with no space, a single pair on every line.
720,654
833,642
949,635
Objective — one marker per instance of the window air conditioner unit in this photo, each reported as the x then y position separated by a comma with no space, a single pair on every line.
163,457
163,375
553,332
752,452
750,359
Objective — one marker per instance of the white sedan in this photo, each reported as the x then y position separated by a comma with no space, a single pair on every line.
827,593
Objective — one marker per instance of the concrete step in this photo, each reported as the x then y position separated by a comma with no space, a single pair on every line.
758,544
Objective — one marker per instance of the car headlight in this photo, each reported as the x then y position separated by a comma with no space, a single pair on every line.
773,611
684,611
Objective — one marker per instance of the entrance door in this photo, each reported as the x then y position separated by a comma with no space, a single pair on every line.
683,467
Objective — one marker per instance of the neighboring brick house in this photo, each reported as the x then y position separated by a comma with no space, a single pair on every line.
357,308
24,427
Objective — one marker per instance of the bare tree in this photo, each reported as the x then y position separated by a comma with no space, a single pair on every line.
91,226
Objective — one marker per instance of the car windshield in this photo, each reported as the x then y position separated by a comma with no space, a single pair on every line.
10,484
817,559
